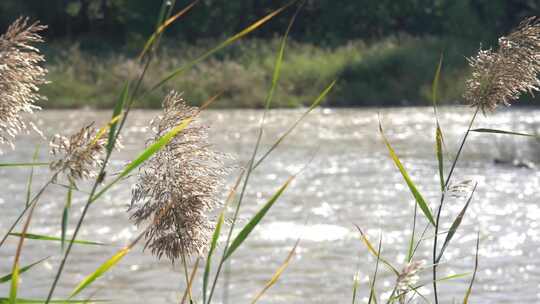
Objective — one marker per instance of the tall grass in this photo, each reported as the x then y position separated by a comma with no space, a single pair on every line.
393,71
498,78
82,155
87,154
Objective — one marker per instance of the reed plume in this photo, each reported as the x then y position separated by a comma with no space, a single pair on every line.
178,186
407,278
20,76
501,76
80,155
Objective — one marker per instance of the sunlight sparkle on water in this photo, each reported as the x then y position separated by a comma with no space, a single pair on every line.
279,231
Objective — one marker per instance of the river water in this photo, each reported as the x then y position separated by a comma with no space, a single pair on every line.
350,180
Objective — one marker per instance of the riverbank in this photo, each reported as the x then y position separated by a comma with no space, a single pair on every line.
393,71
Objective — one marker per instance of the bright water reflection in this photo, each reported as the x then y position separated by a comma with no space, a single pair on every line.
350,181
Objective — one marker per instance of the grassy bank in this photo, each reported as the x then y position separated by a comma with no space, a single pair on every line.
394,71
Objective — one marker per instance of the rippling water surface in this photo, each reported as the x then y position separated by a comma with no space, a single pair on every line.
349,181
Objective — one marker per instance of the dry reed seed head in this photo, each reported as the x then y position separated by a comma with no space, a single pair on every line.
80,155
461,188
500,77
178,186
408,277
20,77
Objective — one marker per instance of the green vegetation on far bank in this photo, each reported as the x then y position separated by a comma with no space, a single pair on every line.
349,42
392,71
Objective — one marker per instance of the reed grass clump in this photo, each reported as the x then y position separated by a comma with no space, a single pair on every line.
21,74
180,173
498,78
178,186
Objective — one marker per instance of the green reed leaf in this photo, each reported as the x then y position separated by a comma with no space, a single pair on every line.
145,155
248,228
455,276
14,284
278,273
163,25
222,45
372,293
356,282
23,269
495,131
469,290
155,147
455,225
40,237
103,268
269,96
164,8
435,84
374,252
37,301
412,187
439,139
100,271
65,214
31,177
230,198
124,95
15,268
279,61
268,101
251,167
33,164
213,246
314,105
439,153
410,251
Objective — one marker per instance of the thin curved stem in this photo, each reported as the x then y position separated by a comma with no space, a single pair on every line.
97,181
27,207
439,209
184,264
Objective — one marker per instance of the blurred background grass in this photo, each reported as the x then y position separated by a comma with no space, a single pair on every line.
392,71
383,53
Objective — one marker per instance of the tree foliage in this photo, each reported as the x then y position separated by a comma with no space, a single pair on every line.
322,21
